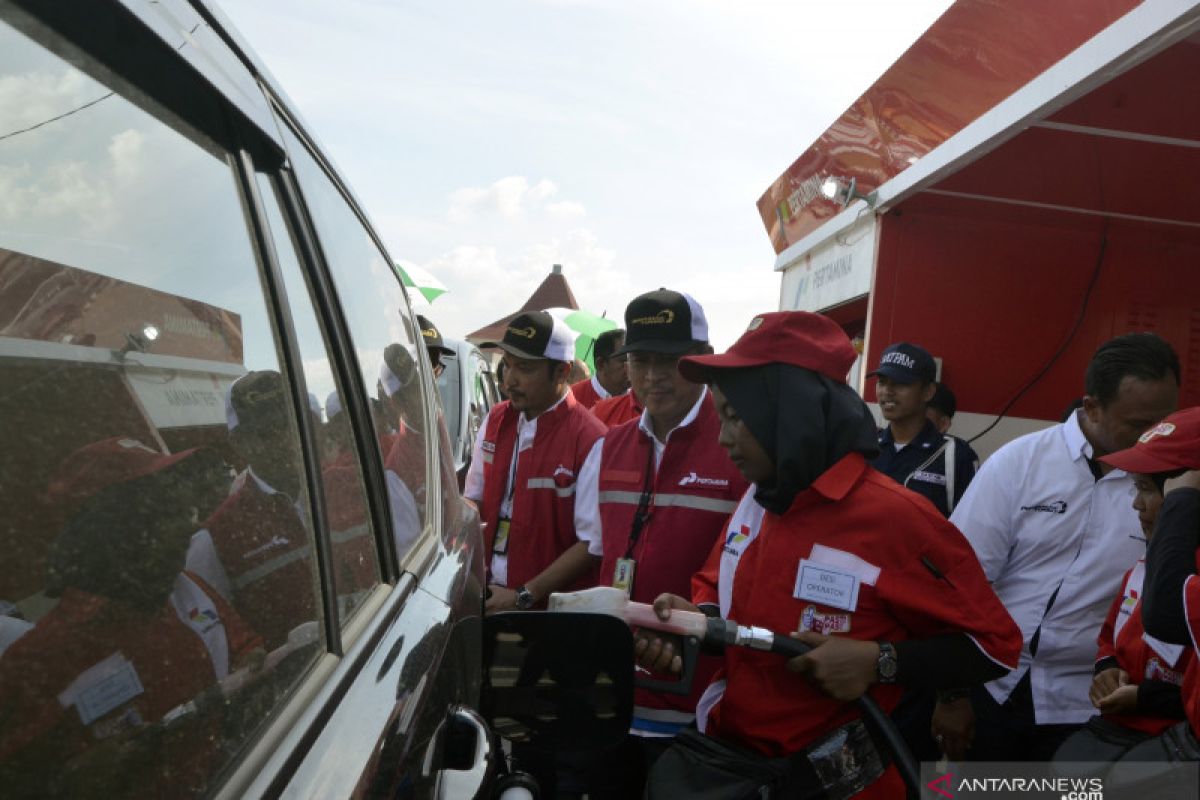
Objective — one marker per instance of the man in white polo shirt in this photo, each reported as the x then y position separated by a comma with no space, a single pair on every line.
1054,531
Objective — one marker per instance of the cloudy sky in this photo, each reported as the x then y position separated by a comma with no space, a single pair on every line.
626,140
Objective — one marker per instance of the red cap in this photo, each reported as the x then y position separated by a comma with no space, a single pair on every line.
94,467
1172,444
799,338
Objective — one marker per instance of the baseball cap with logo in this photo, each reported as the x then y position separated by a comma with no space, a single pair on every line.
536,334
1173,444
799,338
432,336
663,322
906,363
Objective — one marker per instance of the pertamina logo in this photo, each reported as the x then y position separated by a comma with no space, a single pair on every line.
1055,507
735,538
524,333
664,317
693,479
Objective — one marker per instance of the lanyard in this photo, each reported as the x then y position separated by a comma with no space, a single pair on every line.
642,515
512,474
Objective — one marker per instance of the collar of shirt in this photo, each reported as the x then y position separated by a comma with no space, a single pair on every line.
689,418
600,390
1077,444
527,428
836,482
268,489
926,437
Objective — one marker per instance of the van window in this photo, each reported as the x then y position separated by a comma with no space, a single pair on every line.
158,593
382,330
355,565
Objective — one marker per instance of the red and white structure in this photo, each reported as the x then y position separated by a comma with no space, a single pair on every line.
1036,177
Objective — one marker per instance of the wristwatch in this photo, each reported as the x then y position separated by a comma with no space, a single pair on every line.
525,599
886,666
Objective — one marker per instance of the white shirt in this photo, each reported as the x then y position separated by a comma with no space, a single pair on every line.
587,486
473,489
600,390
1039,522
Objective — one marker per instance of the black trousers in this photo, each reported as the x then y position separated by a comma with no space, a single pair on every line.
1008,731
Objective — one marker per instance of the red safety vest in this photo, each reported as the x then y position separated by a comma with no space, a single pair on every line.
615,410
693,492
543,514
1123,637
266,550
585,393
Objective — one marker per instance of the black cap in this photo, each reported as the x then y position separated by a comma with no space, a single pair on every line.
432,336
943,400
906,363
536,334
255,399
663,322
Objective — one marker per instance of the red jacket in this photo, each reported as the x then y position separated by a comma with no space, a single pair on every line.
266,550
1191,676
1122,637
616,410
543,513
586,393
694,490
164,663
853,521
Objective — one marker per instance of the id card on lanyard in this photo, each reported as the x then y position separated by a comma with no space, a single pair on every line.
500,540
626,568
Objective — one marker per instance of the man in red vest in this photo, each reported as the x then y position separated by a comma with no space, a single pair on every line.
532,448
654,495
611,379
615,410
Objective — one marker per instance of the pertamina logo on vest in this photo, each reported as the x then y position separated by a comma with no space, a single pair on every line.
692,479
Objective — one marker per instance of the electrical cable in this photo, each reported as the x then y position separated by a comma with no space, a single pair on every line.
1087,296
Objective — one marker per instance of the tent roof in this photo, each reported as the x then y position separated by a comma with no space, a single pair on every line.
554,292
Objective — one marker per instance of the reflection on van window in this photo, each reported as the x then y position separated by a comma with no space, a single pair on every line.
378,317
157,590
355,559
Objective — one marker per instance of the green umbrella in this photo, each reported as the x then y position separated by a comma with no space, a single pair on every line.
414,277
588,326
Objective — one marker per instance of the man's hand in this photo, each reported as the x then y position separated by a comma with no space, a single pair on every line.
657,651
1188,480
500,598
1123,700
842,668
1105,683
953,727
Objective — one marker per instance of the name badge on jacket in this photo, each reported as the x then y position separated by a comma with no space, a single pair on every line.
826,585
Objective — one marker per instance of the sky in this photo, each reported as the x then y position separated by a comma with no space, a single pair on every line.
628,141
